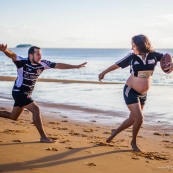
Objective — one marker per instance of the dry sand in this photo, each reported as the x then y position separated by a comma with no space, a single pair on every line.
80,147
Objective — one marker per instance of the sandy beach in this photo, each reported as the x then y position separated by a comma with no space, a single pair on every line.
80,147
89,66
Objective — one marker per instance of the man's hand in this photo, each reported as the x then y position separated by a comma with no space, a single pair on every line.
101,76
3,47
8,53
82,65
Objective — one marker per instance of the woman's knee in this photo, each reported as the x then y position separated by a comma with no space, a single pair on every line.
139,119
131,119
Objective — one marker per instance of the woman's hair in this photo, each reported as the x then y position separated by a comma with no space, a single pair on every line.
142,43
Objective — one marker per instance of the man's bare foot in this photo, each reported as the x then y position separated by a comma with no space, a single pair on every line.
47,140
135,147
113,134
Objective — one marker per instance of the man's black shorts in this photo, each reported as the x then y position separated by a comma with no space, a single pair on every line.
21,98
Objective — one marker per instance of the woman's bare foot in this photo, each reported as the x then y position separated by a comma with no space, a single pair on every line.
47,140
113,134
135,147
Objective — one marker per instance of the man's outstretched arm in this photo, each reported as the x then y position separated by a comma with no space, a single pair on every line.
9,53
69,66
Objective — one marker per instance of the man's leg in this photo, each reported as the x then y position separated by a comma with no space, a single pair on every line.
12,115
38,122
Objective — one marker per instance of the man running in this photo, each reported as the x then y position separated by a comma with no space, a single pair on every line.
28,70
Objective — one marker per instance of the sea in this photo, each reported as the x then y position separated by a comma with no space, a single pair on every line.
87,102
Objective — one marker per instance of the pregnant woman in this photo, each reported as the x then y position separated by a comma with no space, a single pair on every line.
142,63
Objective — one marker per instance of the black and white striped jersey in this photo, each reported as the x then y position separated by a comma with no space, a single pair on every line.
28,73
137,64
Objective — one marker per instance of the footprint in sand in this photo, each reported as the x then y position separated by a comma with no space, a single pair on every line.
65,141
137,136
74,134
157,134
62,128
166,134
64,121
83,135
70,148
17,140
88,130
107,133
153,155
168,146
135,158
51,149
13,132
91,164
103,144
64,117
165,141
51,122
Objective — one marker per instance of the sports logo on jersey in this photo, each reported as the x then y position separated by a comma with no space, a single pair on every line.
39,71
136,62
152,61
29,69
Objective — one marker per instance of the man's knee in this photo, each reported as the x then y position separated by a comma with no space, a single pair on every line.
14,117
35,110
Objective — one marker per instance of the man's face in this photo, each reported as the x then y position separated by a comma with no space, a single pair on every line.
37,55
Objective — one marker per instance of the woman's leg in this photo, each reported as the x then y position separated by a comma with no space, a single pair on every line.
126,124
136,110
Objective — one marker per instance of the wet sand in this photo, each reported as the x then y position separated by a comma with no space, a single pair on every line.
9,78
80,147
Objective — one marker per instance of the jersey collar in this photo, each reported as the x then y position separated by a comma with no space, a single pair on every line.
143,60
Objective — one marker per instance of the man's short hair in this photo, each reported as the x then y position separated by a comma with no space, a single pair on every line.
31,49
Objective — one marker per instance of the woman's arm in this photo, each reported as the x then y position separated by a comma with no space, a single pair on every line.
111,68
7,52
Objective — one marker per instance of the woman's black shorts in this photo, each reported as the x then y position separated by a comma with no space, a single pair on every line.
131,96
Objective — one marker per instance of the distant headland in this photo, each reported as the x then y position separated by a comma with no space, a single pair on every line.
23,45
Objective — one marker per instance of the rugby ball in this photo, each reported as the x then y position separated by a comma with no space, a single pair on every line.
165,60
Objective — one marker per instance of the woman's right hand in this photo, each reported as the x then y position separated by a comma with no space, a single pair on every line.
101,76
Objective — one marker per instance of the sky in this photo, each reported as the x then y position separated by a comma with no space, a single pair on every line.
85,23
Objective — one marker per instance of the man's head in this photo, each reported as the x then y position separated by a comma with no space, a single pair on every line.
34,54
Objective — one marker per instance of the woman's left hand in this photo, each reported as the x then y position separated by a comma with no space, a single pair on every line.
170,68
